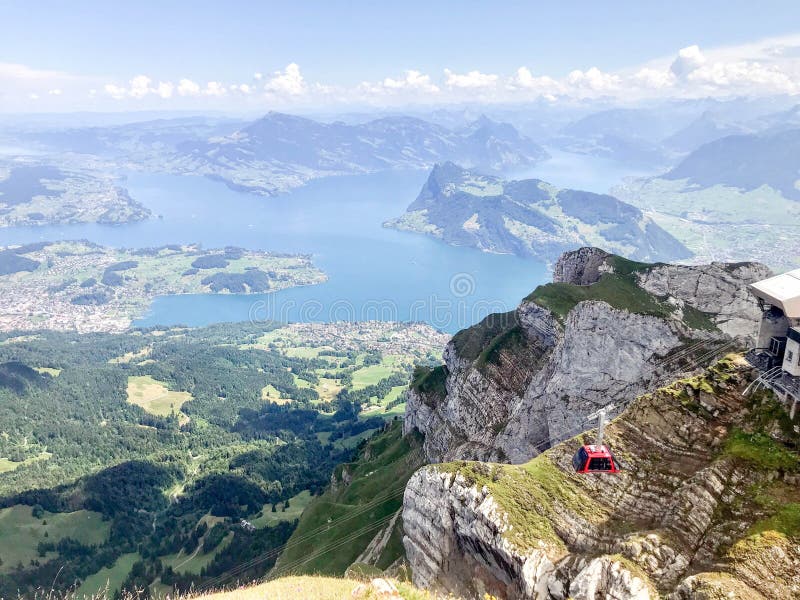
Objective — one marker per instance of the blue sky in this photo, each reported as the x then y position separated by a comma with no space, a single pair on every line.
338,46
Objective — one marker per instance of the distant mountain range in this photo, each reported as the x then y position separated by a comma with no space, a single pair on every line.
659,136
531,218
746,162
281,151
734,198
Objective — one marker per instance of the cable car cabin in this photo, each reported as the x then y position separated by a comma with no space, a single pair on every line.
594,459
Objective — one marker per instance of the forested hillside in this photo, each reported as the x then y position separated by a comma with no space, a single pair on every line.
159,459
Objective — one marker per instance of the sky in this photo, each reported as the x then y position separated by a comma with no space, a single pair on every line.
235,55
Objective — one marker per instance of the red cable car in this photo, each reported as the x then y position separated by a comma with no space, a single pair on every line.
592,458
596,458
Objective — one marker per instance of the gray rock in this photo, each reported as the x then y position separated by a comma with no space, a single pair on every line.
607,578
717,289
581,267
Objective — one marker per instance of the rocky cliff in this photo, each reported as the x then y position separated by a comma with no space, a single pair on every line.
707,506
606,330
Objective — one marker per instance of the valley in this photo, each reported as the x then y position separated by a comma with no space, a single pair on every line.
721,223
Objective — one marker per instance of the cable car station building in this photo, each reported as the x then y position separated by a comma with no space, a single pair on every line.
777,353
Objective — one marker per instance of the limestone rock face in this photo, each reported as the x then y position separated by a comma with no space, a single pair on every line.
604,356
512,391
454,542
581,267
716,288
607,578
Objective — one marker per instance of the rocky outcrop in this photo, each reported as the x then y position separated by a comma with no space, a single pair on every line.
716,289
607,578
678,520
516,383
584,266
454,541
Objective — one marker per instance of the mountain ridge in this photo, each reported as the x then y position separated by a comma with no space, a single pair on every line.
280,151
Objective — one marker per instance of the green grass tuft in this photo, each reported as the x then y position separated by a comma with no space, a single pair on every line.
760,450
621,291
430,380
624,266
785,521
472,341
531,494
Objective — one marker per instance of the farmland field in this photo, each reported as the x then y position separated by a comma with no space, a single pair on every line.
297,505
154,397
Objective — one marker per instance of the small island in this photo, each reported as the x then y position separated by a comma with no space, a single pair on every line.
80,286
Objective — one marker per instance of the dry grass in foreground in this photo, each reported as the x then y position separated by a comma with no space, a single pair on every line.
320,588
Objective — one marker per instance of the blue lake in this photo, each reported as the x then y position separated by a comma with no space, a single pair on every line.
374,273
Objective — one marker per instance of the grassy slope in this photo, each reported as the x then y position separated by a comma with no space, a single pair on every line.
154,397
21,532
194,562
297,504
381,470
619,289
109,579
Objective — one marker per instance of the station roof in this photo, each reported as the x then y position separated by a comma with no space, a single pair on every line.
782,291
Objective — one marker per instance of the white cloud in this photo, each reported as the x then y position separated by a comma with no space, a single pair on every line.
187,87
656,79
471,80
412,83
413,80
688,60
140,86
762,67
288,82
115,91
593,80
523,79
743,75
165,89
214,88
